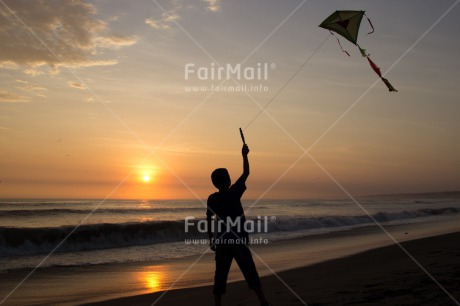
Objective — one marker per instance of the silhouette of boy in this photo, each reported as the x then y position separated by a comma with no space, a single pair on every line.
231,238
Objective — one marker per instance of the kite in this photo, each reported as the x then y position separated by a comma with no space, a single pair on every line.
346,24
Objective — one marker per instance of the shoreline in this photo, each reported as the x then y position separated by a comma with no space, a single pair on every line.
306,252
380,276
88,284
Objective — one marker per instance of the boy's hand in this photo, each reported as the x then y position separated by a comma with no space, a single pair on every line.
212,244
245,150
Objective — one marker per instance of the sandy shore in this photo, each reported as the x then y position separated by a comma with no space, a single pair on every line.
382,276
339,268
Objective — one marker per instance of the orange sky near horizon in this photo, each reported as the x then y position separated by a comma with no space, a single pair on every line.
94,96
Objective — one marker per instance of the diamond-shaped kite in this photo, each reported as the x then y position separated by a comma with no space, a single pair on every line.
346,24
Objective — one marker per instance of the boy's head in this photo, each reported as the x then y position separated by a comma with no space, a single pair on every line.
220,178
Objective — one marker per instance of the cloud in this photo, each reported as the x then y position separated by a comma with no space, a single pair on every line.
163,23
11,97
168,17
36,71
27,86
36,34
77,85
115,41
213,5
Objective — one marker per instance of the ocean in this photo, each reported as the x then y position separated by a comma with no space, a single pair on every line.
54,233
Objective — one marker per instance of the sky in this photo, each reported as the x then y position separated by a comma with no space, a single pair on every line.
123,99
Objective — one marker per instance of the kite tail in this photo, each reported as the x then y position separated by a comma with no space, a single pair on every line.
363,51
374,66
370,23
341,48
377,70
390,87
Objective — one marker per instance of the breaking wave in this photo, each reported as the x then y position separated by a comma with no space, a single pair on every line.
32,241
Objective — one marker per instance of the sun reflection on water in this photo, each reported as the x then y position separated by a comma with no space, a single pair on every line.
153,279
144,204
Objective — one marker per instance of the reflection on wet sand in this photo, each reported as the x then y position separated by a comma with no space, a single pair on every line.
153,278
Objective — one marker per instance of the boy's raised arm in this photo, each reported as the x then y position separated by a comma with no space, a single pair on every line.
245,152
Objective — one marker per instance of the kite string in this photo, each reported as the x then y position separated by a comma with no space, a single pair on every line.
286,83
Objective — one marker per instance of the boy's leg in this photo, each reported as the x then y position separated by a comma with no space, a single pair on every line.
217,299
244,260
224,257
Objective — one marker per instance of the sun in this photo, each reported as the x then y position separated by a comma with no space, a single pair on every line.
146,174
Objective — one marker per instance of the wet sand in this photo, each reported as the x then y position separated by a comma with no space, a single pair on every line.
424,271
340,268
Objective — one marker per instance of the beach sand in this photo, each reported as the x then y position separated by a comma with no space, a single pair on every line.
360,266
382,276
